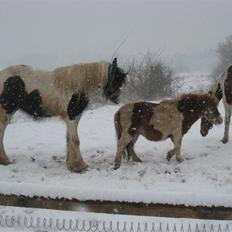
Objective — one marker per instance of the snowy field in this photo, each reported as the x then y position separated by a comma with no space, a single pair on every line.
42,220
203,179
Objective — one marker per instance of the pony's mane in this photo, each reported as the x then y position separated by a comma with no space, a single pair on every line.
85,77
195,102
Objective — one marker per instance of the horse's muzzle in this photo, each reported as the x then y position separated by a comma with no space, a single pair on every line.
203,133
218,120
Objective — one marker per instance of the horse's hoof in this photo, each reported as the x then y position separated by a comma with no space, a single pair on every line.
224,141
117,165
80,170
6,162
180,159
137,159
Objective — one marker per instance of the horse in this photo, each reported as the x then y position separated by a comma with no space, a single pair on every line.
63,92
221,89
159,121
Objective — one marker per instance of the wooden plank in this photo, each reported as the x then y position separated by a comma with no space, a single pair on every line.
159,210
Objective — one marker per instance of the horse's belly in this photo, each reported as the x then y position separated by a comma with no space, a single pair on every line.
151,133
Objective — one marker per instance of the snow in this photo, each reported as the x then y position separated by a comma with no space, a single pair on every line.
203,179
191,82
95,221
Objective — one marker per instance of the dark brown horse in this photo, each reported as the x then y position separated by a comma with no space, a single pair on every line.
168,119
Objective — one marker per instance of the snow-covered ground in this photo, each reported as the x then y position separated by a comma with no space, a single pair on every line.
204,178
37,220
191,82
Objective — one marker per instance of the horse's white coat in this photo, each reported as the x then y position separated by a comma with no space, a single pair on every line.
56,88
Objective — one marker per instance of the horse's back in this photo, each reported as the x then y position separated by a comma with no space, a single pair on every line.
33,78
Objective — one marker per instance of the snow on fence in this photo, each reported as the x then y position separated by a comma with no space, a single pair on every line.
47,224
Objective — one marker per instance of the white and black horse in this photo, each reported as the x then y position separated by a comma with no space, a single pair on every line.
62,92
221,89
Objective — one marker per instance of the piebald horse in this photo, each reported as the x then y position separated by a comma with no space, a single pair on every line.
167,119
62,92
221,89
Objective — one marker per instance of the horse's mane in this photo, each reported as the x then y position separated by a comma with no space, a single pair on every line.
195,102
86,77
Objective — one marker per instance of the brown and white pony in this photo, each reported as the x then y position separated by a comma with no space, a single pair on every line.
221,89
62,92
167,119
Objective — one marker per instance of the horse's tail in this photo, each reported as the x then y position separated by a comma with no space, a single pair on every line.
117,125
77,105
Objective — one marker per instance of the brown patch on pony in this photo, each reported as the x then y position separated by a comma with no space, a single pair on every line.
228,86
192,107
142,113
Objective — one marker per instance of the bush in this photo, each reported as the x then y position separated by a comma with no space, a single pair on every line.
148,79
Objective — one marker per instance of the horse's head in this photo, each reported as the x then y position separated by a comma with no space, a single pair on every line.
116,78
206,125
211,116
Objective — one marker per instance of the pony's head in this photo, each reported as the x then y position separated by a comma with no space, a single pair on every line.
211,116
116,78
206,125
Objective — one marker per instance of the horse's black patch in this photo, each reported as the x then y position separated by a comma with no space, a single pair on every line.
76,105
15,97
13,94
32,104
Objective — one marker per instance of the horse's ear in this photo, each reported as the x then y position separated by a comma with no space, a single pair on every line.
114,63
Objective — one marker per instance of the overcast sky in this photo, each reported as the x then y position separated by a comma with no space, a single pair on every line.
92,30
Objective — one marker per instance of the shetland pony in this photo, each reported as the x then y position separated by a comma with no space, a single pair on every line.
221,89
62,92
168,119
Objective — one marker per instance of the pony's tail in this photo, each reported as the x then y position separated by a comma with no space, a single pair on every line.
77,105
117,125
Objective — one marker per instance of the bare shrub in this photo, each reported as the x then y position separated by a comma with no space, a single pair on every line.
148,79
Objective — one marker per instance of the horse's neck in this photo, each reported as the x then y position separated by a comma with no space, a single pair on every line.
192,112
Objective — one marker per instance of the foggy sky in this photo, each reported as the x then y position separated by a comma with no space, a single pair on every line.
92,30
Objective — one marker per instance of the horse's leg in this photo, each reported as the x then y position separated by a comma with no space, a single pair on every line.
130,150
3,123
170,154
227,123
176,139
74,159
123,141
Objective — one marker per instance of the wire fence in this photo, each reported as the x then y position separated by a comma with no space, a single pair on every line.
38,224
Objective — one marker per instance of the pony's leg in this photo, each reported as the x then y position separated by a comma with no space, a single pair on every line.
176,151
124,140
227,123
170,154
74,159
130,150
3,123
